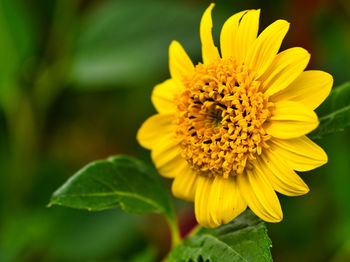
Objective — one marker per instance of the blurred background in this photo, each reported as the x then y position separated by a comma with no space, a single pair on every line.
75,84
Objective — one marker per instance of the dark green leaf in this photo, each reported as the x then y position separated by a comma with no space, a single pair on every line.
334,113
117,181
244,239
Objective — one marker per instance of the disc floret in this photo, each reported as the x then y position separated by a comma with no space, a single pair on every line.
220,118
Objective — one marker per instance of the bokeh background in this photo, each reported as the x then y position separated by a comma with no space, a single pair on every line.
75,84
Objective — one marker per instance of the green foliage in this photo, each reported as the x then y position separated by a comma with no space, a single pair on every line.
17,35
334,113
146,255
244,239
121,42
17,45
126,182
117,181
99,234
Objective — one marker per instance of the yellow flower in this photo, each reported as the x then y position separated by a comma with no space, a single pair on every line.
231,130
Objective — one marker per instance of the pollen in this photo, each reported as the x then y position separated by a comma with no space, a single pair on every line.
220,118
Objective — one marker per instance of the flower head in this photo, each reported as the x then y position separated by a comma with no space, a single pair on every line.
231,130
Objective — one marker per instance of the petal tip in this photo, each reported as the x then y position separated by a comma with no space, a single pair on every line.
140,140
330,80
278,219
316,122
324,158
209,50
283,23
208,10
303,190
273,218
173,44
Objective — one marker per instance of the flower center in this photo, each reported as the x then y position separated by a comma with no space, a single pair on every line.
220,118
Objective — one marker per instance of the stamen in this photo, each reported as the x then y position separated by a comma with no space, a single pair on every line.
220,118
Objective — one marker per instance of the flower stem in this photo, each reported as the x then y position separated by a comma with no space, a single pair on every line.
174,230
194,230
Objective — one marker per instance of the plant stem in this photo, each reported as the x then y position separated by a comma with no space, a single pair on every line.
174,230
194,230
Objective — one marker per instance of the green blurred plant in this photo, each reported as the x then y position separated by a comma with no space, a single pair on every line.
58,50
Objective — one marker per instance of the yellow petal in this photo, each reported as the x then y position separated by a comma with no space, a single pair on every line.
300,153
259,195
166,156
184,184
311,88
281,176
154,129
285,68
163,96
201,206
180,64
209,51
246,34
228,35
265,47
225,201
291,119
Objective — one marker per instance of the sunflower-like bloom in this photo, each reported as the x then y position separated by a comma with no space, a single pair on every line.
232,130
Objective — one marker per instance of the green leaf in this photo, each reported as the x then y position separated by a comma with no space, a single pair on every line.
334,113
244,239
118,181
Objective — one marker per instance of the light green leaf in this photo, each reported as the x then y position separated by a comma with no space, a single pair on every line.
245,239
118,181
334,113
